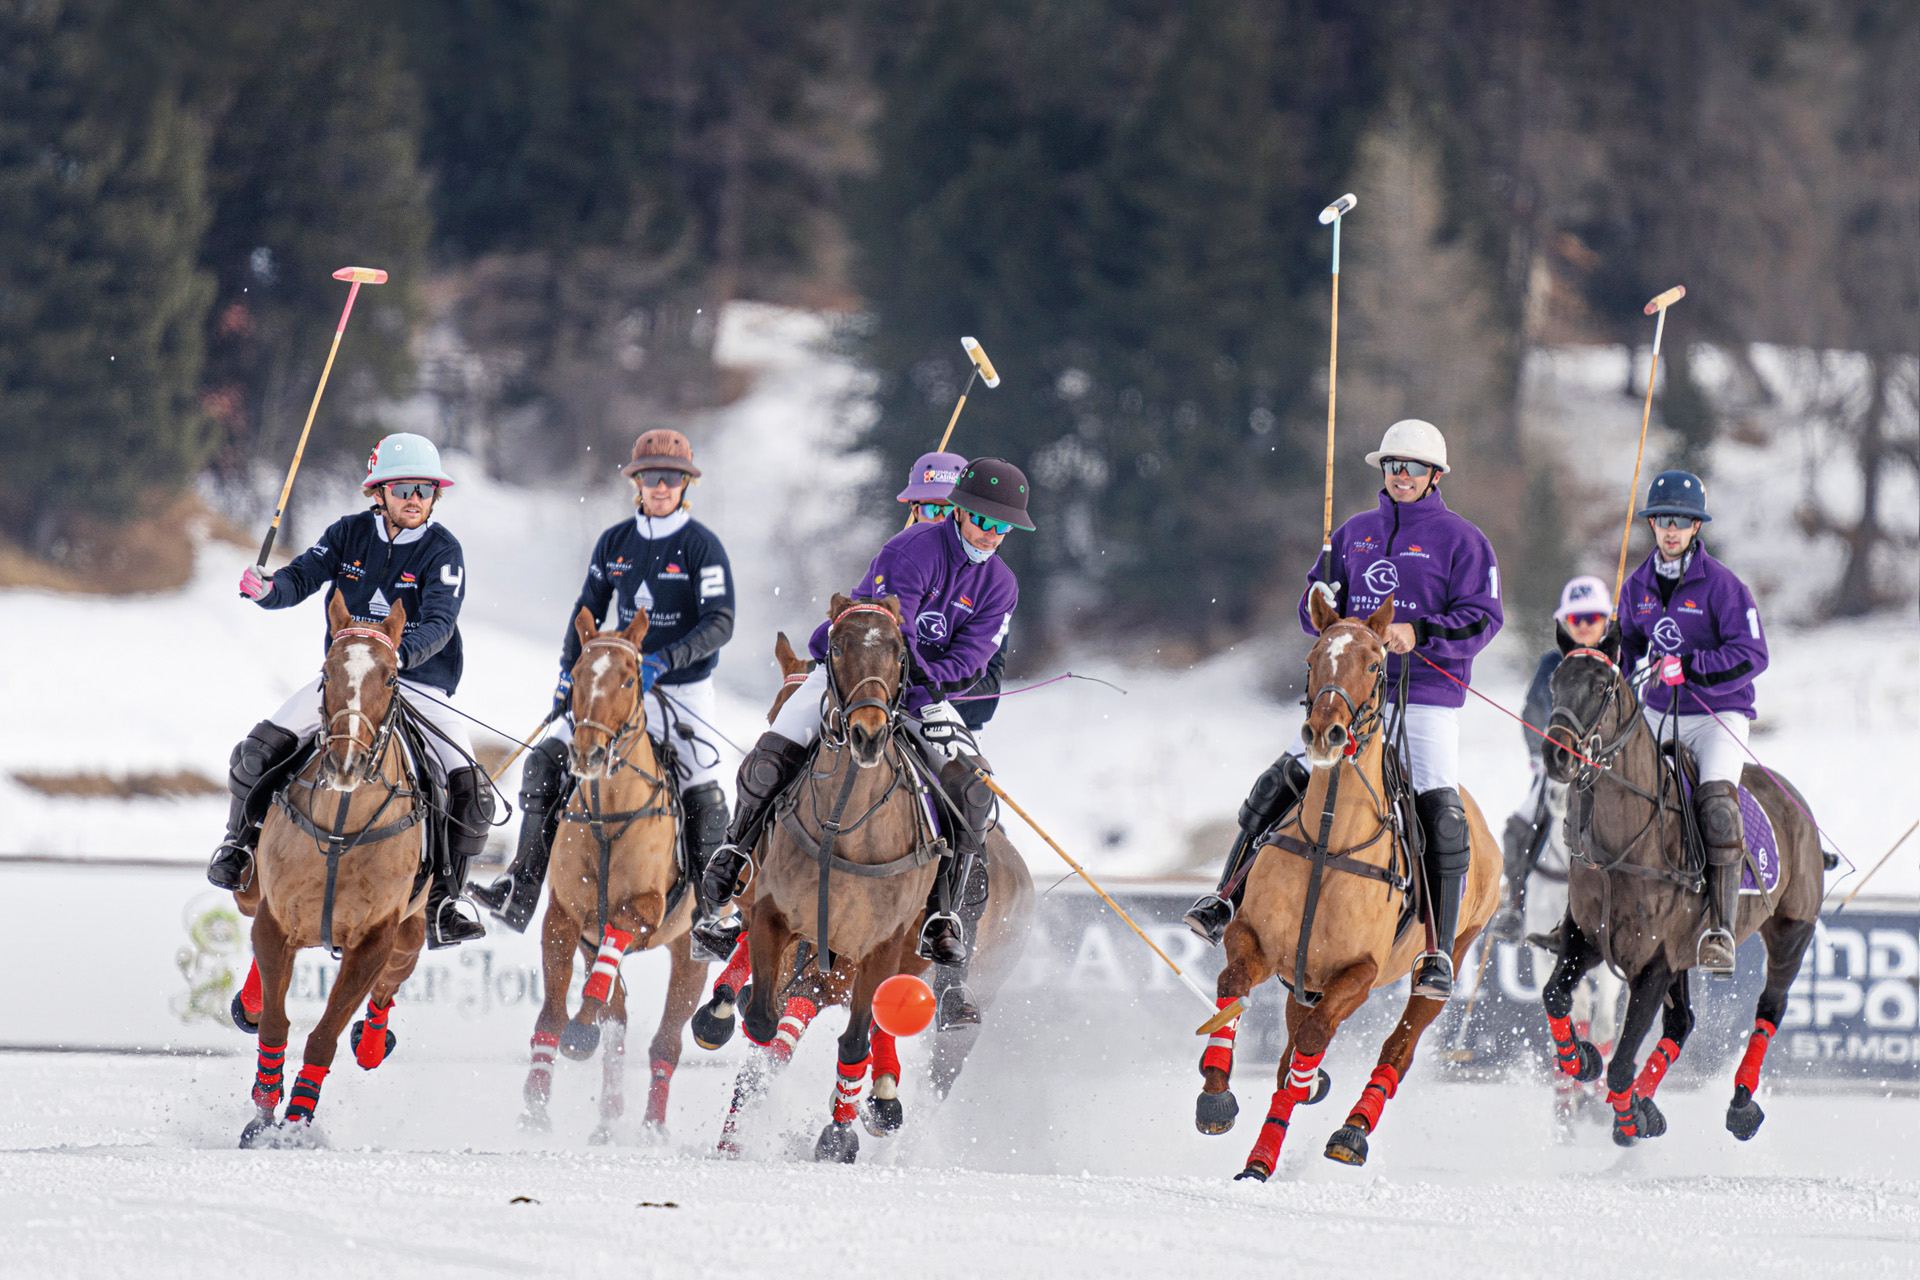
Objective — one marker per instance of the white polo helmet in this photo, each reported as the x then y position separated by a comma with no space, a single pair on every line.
1415,440
404,456
1584,594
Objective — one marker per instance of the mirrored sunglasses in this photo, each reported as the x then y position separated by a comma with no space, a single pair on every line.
1673,522
1404,467
1585,619
673,479
412,489
990,526
935,510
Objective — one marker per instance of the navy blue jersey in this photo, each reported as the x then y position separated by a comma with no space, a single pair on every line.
675,569
423,569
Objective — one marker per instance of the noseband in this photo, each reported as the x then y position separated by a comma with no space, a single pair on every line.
1598,753
834,723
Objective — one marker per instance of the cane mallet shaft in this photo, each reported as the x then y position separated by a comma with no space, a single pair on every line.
1333,213
1082,872
358,276
1876,866
520,747
982,368
1658,307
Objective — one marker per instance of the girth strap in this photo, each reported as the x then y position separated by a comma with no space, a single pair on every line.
1342,862
597,821
338,842
829,833
1317,865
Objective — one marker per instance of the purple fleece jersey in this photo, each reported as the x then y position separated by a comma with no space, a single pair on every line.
1709,620
957,612
1442,577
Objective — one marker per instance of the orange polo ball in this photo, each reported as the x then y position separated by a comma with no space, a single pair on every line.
903,1005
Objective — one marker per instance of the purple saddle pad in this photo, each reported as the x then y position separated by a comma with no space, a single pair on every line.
1760,843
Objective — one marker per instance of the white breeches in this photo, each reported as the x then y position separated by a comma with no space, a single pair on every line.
1433,745
1596,999
1721,752
684,711
799,719
300,715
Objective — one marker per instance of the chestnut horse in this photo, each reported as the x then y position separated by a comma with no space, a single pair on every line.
998,940
367,902
615,885
1347,859
1634,901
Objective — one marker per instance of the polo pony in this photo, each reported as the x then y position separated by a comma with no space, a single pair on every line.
339,867
616,886
1329,906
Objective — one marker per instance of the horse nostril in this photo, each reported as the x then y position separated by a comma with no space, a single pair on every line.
1337,735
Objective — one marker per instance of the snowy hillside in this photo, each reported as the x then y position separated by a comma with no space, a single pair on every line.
169,681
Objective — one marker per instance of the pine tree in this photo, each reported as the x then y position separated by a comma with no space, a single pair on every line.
102,205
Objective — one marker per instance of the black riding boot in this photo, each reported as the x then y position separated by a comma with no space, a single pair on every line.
942,938
764,774
706,815
1274,792
1717,805
1449,853
265,748
545,785
469,819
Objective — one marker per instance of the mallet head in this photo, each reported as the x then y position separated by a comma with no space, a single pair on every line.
979,358
1667,299
1339,208
361,275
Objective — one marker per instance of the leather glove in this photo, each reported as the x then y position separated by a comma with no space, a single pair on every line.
254,585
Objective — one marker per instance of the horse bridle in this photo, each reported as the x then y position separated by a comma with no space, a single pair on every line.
1598,754
1362,719
833,724
383,728
636,719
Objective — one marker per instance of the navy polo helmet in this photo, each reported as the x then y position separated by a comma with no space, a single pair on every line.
1676,493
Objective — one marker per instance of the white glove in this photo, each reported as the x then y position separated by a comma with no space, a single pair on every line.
1328,591
254,584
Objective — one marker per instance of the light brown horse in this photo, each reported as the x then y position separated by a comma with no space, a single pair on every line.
615,886
858,790
998,940
358,800
1352,947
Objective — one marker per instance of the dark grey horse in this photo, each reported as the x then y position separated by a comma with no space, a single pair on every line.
1634,897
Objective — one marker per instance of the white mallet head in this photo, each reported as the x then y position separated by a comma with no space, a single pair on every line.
1339,208
1667,299
979,358
361,275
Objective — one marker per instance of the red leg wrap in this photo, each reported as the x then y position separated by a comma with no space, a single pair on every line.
846,1093
372,1049
1625,1119
1566,1052
886,1054
539,1085
657,1091
1749,1073
1656,1069
1220,1044
250,998
798,1017
268,1074
1303,1073
1381,1085
306,1093
1273,1132
606,965
739,969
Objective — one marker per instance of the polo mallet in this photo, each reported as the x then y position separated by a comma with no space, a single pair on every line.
359,276
1876,867
1657,307
981,365
1333,213
520,747
1232,1011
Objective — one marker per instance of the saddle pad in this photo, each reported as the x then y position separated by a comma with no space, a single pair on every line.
1761,844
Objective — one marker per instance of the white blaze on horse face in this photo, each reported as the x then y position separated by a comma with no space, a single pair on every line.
358,665
1336,647
601,665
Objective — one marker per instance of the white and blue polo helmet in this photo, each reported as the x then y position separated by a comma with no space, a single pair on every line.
404,456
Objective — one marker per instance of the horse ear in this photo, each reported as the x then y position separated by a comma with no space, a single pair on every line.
1610,643
636,631
837,606
337,615
892,604
1564,638
1322,614
783,655
396,623
1380,619
583,624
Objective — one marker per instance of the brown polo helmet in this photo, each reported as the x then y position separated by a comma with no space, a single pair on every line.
661,450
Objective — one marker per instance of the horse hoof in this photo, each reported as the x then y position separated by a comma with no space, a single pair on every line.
578,1040
240,1019
838,1142
726,1149
1254,1172
600,1137
1322,1086
1744,1115
1215,1112
250,1137
882,1117
1623,1136
1348,1145
710,1028
534,1120
1648,1119
374,1054
1590,1064
264,1133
